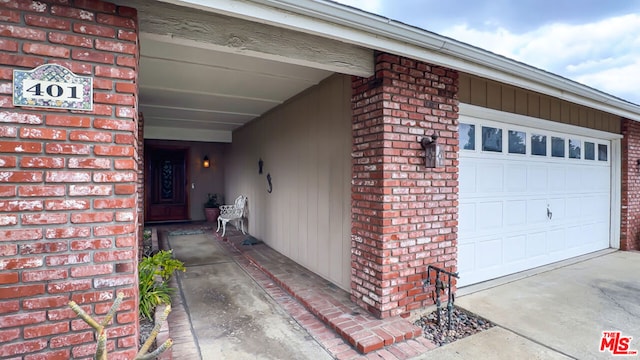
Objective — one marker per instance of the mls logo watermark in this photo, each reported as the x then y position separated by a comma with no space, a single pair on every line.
616,344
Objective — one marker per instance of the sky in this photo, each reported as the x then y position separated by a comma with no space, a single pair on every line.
593,42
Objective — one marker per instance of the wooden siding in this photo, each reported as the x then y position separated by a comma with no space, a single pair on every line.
306,147
478,91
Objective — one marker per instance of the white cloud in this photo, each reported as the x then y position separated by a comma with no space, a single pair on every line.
620,81
603,54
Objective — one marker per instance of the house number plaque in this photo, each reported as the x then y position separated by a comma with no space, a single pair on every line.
52,86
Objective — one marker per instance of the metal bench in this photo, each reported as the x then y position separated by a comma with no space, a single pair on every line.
232,212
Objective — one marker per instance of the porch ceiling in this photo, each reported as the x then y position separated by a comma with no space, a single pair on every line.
203,73
188,92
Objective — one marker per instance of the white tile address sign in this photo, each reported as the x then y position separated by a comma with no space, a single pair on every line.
52,86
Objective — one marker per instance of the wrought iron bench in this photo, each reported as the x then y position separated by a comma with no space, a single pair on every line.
232,212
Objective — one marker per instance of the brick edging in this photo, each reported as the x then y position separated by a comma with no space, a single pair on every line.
163,335
380,333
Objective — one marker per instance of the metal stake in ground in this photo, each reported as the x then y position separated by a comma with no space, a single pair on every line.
439,286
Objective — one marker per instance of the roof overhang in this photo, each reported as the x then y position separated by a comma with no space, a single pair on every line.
354,26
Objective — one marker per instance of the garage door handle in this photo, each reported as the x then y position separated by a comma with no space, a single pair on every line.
549,213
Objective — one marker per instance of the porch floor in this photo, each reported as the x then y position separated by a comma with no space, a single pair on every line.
324,310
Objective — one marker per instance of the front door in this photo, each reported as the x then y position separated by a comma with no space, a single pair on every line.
166,183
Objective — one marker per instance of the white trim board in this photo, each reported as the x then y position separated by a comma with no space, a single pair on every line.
169,133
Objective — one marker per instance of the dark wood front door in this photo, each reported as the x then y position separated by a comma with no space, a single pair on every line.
166,183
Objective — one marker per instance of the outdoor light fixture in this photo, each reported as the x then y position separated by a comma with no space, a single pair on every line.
205,162
433,152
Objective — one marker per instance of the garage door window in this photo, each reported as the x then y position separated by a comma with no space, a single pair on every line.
589,151
517,142
557,146
539,145
491,139
535,143
575,146
602,152
468,136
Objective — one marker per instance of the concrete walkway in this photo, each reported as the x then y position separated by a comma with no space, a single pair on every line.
230,315
235,306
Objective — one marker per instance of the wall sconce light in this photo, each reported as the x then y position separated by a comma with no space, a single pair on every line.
433,152
205,162
260,164
638,163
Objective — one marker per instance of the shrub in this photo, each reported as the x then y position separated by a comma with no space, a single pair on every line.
154,273
146,234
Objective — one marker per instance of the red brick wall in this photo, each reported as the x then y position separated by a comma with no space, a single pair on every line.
140,189
404,216
630,212
68,212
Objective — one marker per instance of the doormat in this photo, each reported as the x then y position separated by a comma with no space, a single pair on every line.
186,232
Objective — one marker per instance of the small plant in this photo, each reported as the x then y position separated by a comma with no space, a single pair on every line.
213,201
146,234
162,264
154,273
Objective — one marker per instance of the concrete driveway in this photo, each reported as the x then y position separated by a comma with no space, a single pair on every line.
557,313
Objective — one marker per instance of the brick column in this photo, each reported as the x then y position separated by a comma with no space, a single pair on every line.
630,212
140,189
404,216
68,206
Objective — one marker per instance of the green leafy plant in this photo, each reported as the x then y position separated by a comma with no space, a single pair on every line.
213,201
154,273
146,233
162,264
152,294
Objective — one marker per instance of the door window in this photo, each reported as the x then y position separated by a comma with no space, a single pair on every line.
491,139
517,142
575,147
557,146
539,145
467,136
589,151
602,152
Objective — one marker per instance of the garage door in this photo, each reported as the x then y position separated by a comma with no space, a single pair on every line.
529,197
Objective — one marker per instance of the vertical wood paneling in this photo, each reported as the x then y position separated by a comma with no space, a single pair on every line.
521,102
494,95
464,91
306,146
346,190
545,107
556,110
565,112
508,99
533,105
478,91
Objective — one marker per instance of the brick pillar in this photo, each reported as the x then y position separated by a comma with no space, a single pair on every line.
404,216
140,189
68,212
630,212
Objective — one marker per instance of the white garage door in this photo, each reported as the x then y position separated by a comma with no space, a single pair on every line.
529,197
